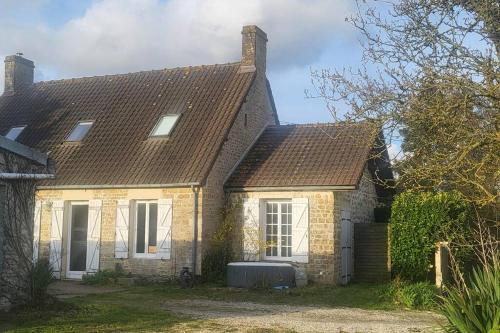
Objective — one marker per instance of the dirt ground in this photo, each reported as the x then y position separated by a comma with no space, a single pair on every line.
252,316
218,316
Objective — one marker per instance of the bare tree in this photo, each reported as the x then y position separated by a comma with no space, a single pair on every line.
430,78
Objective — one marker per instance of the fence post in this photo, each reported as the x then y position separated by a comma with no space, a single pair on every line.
442,263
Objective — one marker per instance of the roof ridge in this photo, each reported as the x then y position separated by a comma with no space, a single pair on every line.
87,78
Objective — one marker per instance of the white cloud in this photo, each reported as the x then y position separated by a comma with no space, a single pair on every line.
116,36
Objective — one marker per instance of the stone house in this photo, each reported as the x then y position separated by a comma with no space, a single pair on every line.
147,161
20,168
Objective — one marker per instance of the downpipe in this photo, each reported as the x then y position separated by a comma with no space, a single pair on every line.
194,259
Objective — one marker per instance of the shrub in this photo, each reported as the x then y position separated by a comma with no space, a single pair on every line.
220,253
420,295
418,222
102,277
41,276
476,307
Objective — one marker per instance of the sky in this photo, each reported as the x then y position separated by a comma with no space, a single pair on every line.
75,38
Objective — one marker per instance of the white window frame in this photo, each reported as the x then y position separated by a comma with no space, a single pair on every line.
279,257
22,127
158,123
91,122
146,230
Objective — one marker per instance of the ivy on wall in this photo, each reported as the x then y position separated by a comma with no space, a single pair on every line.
421,219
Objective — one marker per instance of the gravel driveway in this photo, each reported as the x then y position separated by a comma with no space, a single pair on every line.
251,316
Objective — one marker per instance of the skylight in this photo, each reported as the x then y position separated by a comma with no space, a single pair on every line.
165,125
80,130
14,132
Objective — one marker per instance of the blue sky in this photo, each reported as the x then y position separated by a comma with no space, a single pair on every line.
95,37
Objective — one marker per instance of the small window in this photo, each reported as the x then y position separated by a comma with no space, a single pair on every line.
14,132
165,125
145,229
80,131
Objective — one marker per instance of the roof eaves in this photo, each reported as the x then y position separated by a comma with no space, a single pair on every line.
112,186
292,188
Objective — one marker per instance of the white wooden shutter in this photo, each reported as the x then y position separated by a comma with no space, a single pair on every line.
36,229
122,229
93,235
55,246
164,229
251,231
300,229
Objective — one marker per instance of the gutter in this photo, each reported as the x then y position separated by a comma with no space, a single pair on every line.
194,259
110,186
5,175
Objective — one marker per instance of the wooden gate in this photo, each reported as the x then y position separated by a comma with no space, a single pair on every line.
346,241
371,252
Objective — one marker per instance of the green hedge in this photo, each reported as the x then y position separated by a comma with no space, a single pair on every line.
418,221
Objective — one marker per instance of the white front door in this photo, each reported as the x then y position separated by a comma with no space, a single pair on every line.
346,243
77,239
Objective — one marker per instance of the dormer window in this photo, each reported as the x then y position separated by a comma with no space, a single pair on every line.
80,131
14,132
165,125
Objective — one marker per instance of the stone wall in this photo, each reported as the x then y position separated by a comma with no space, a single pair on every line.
253,117
255,114
182,227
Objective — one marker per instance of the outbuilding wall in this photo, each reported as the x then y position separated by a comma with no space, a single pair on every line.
360,203
321,266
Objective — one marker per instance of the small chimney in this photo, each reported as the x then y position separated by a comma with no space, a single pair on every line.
253,49
18,73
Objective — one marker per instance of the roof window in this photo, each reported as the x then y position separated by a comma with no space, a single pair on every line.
14,132
165,125
80,131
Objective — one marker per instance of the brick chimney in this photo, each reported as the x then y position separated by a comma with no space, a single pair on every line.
18,73
253,49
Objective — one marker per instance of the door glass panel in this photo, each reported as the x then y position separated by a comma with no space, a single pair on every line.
272,229
141,228
286,229
153,216
78,247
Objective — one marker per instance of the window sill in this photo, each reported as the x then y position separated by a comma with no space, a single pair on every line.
145,256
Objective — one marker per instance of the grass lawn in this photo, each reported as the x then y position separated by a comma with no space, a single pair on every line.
364,296
138,309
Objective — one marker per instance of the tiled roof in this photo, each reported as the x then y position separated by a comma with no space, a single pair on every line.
306,155
125,109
